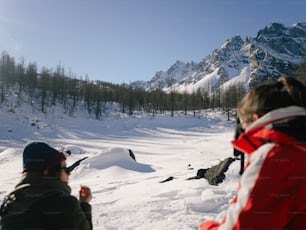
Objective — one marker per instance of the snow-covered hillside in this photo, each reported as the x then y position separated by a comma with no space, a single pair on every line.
127,193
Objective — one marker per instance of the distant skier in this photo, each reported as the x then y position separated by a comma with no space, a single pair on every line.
42,199
238,154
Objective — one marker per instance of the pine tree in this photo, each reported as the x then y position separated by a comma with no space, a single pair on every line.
300,74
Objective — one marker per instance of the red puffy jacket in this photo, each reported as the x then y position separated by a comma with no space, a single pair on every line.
272,189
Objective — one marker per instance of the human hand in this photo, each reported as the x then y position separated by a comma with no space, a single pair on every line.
85,195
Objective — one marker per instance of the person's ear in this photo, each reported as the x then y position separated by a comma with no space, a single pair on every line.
255,117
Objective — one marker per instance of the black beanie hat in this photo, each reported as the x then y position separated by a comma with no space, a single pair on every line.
38,156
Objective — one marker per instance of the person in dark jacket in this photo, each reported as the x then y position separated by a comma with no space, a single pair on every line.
42,200
238,131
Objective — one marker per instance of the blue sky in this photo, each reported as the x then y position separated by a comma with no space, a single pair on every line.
121,41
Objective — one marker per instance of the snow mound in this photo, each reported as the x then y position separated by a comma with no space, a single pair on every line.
119,157
9,152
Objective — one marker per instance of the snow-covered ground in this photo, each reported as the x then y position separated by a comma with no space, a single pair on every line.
127,193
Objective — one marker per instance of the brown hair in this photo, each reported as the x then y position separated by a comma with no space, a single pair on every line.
285,92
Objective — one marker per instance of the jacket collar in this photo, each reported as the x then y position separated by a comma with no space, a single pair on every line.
278,114
285,125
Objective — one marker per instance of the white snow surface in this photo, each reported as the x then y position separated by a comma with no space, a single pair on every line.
127,194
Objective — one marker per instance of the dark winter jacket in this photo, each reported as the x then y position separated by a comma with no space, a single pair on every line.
41,202
239,130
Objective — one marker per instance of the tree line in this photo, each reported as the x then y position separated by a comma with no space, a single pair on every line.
49,87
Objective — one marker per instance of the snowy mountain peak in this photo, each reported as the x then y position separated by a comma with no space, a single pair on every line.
233,43
287,40
273,28
175,74
275,51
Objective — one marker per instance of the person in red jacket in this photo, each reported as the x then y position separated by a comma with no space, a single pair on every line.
272,189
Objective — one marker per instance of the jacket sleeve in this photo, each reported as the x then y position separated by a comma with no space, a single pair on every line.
80,217
86,208
262,200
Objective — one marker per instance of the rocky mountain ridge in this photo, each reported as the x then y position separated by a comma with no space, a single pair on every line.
276,50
